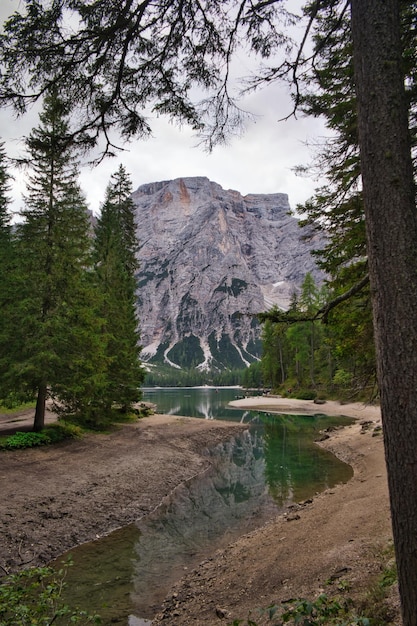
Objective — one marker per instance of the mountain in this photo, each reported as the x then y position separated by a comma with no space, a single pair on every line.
209,259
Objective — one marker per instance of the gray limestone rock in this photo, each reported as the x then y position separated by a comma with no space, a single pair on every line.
209,260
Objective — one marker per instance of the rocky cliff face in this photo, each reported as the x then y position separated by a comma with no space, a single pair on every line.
209,260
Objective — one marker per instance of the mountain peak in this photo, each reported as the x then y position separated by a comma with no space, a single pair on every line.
209,260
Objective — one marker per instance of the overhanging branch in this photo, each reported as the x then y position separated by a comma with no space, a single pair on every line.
322,314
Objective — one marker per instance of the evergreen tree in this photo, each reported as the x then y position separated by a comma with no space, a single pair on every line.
116,264
7,260
5,228
274,354
56,348
337,207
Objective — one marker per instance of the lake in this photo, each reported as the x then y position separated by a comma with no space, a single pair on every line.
125,576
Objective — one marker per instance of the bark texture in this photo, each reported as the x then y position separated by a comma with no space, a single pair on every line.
39,420
392,244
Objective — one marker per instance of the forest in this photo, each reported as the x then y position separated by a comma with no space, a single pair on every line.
68,329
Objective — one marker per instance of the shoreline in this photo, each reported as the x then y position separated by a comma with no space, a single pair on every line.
293,406
341,534
57,497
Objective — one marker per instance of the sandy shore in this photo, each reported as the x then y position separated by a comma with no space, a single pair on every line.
275,404
331,544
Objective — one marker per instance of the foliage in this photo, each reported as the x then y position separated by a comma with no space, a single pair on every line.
253,377
304,394
304,612
53,433
376,601
13,403
171,377
6,274
25,440
115,249
297,356
322,611
55,346
33,597
61,430
156,56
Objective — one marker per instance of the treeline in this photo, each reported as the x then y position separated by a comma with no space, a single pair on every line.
306,356
68,327
166,376
302,354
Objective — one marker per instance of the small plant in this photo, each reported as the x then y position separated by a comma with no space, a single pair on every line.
322,611
59,431
33,597
377,600
389,575
25,440
53,433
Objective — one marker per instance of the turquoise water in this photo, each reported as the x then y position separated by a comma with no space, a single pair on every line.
206,402
253,477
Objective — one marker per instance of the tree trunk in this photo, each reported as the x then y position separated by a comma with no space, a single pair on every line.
281,362
391,224
39,421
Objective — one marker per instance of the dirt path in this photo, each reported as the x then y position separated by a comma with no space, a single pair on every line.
53,499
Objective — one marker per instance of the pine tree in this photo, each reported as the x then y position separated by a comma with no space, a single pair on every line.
337,207
57,351
7,260
116,264
274,360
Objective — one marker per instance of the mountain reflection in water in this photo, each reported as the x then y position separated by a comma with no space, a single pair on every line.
251,478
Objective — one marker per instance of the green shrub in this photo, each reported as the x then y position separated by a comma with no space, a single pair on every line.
305,394
34,597
306,613
13,404
53,433
322,611
25,440
58,431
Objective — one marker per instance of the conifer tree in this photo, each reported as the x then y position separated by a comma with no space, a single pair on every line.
116,264
6,279
58,340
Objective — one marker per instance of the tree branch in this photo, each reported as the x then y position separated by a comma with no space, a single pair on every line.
322,314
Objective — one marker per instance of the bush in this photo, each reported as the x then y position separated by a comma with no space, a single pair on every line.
59,431
303,612
53,433
34,597
25,440
305,394
16,402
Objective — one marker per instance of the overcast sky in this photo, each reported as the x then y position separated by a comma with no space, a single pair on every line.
260,161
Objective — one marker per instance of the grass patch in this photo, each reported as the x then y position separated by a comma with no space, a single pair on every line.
9,408
380,600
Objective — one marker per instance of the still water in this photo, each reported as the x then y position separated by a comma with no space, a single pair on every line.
125,577
207,402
